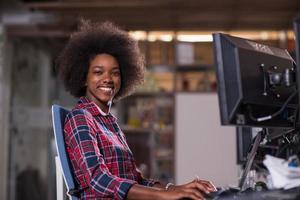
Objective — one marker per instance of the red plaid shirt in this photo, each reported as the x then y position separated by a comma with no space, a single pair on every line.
103,164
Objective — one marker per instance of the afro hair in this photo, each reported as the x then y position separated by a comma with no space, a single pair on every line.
92,39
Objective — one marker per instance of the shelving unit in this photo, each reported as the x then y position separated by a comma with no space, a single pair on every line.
151,110
151,114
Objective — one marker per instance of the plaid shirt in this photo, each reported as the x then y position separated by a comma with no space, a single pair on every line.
103,164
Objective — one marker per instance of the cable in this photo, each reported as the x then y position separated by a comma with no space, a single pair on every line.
296,117
268,117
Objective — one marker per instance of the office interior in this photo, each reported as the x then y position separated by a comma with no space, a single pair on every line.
172,122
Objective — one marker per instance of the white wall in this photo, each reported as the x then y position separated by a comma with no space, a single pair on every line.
203,146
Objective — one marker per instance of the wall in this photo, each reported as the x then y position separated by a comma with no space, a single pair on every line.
5,73
203,146
30,174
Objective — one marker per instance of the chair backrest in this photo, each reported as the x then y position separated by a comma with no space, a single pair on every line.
58,119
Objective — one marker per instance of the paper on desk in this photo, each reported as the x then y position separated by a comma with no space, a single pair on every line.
282,175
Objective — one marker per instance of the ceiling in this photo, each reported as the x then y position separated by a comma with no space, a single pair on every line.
226,15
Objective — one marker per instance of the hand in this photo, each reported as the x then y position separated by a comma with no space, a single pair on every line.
178,192
191,190
202,185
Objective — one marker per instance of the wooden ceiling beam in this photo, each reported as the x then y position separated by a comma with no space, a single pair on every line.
256,5
63,5
175,14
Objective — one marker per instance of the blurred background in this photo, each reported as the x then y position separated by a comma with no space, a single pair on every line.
172,121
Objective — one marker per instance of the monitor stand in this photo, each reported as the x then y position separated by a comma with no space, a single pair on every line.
250,157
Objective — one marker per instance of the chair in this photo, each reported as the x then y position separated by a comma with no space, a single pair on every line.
63,167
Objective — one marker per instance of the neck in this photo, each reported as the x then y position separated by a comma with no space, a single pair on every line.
104,106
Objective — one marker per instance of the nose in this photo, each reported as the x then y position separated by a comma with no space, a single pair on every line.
107,78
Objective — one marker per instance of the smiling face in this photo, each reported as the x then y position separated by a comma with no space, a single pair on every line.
103,80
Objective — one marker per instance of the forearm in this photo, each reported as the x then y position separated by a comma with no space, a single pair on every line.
139,192
159,185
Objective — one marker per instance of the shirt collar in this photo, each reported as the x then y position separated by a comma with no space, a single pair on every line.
102,112
92,107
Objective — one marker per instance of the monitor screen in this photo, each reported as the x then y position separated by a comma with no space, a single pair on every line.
256,83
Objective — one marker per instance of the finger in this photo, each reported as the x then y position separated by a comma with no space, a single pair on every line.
202,187
194,193
199,186
209,184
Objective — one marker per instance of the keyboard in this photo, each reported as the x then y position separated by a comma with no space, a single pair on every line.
221,193
278,194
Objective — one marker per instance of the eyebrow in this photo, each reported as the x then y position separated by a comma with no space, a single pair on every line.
101,66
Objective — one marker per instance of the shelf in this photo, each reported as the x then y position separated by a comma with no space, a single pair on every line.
164,153
161,68
152,94
180,68
193,68
196,92
169,158
128,129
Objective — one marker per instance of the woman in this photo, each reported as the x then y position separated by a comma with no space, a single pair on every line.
99,64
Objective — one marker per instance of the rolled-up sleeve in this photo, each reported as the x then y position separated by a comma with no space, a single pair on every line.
144,181
81,138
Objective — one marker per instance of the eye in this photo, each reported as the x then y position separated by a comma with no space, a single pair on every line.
116,73
98,72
